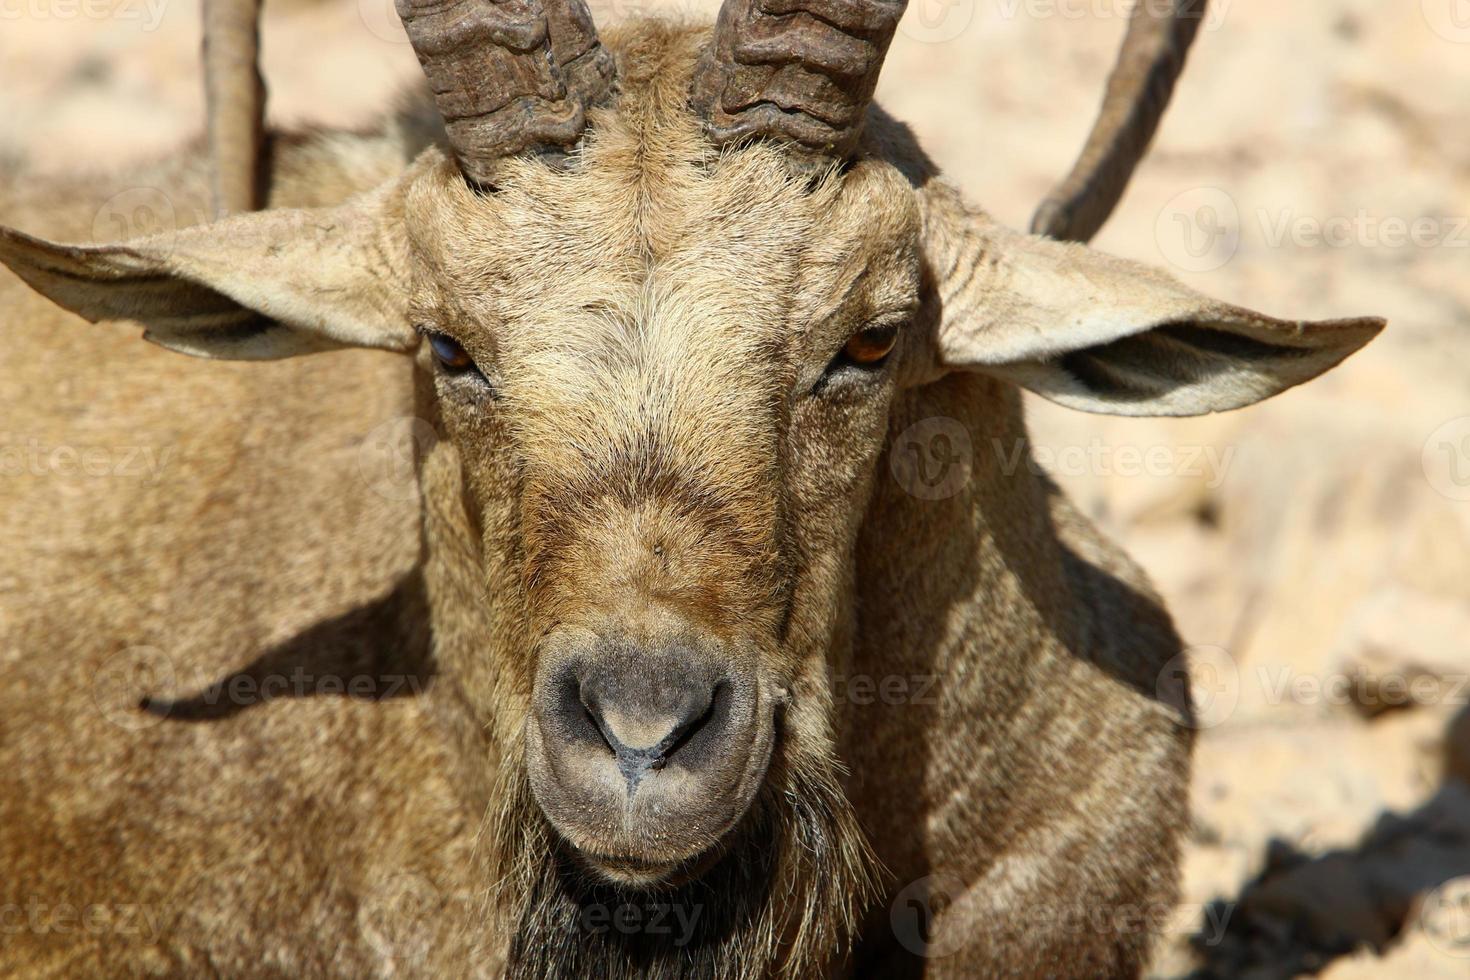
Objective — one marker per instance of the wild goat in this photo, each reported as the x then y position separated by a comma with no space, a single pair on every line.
719,635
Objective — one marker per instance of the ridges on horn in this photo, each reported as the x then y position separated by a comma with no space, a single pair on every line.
508,77
800,70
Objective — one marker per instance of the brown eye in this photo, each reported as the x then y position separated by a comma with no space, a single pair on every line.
449,353
871,346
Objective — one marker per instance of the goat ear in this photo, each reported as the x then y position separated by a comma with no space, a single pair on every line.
1102,334
257,286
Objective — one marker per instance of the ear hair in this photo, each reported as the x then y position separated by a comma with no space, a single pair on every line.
265,285
1102,334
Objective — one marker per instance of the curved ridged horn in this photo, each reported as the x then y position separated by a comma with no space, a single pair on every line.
800,70
1159,36
508,76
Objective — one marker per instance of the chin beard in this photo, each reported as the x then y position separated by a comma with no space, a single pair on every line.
785,898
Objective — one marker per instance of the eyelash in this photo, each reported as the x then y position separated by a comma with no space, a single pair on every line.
449,354
451,357
871,347
865,353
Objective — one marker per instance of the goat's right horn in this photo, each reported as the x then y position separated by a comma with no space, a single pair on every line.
799,70
508,76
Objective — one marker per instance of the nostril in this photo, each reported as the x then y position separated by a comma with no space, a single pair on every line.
593,718
565,714
644,725
686,730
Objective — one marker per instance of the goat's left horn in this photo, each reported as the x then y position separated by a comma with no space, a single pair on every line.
508,76
799,70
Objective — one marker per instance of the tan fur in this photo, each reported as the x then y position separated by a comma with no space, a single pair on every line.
659,453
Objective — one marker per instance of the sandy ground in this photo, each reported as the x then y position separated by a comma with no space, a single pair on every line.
1316,163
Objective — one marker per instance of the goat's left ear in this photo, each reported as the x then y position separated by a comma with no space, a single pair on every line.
1101,334
256,286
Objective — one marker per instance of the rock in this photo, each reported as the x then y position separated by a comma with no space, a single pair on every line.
1316,787
1406,649
1415,956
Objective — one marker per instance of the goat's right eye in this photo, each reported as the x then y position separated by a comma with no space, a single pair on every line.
450,354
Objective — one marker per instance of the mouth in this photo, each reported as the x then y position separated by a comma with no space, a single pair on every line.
632,871
628,871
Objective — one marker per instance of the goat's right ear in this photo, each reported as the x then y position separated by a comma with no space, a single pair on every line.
257,286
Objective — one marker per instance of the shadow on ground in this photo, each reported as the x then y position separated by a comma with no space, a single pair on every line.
1302,913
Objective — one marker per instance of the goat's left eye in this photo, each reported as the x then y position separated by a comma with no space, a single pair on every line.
870,346
449,353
